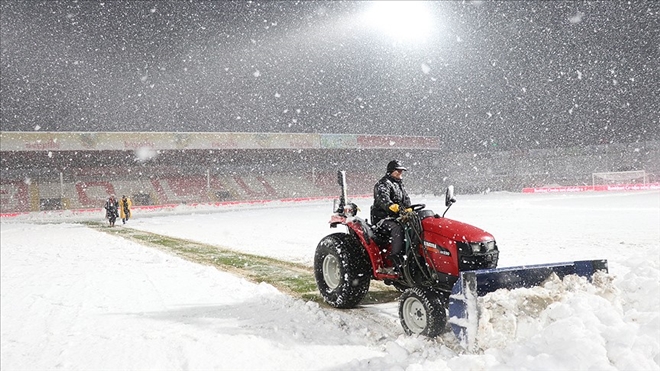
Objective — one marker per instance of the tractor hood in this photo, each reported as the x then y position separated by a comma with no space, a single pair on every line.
455,230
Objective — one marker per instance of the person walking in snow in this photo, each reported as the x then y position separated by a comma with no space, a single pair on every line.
111,207
390,197
125,205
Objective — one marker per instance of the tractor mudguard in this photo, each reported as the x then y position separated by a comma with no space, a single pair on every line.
463,311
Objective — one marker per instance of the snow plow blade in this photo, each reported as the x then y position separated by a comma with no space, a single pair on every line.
463,311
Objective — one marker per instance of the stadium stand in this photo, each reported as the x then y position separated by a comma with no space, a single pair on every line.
52,171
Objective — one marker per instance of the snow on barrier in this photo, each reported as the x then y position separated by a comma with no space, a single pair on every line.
604,187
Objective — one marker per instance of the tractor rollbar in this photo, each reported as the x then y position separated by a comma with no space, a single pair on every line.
341,179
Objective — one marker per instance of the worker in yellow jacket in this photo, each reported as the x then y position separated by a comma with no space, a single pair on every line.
125,205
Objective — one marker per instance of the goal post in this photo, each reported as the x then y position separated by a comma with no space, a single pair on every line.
619,177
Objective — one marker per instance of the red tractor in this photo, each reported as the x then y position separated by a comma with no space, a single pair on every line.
439,254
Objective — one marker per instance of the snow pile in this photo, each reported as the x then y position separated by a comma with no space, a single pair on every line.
572,323
520,314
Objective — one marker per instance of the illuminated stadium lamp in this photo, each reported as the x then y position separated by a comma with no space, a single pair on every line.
409,21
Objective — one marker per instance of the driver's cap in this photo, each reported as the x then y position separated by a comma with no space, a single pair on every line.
395,165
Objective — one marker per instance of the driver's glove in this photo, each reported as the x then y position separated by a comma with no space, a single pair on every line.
409,210
394,208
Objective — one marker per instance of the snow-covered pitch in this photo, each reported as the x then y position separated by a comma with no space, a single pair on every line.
74,298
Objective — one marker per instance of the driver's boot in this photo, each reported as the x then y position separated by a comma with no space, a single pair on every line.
398,263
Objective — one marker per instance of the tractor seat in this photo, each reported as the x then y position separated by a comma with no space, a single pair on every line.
371,232
367,229
378,236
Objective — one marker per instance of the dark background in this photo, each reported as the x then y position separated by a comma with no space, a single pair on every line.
494,75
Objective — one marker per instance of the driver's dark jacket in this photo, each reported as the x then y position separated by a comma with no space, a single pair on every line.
387,191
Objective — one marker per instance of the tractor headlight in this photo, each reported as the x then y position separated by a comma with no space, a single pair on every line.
490,246
481,247
476,248
477,255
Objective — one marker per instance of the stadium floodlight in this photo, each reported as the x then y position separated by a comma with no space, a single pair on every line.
406,21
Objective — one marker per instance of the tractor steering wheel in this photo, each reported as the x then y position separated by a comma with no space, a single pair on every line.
417,207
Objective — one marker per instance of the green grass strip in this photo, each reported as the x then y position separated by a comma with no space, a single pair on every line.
294,279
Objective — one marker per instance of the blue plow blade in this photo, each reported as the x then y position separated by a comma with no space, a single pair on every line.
463,311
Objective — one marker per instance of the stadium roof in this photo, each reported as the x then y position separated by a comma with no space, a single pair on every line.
104,141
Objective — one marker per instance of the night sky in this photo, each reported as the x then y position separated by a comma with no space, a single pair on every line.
487,75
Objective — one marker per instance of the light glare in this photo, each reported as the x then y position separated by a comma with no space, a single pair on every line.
400,20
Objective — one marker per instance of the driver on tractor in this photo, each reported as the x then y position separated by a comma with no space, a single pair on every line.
390,197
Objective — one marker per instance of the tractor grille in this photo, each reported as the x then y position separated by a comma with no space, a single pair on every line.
477,255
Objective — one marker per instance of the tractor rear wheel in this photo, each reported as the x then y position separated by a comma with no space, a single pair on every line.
342,270
422,312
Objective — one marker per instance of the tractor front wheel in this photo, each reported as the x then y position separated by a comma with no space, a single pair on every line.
342,270
422,312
